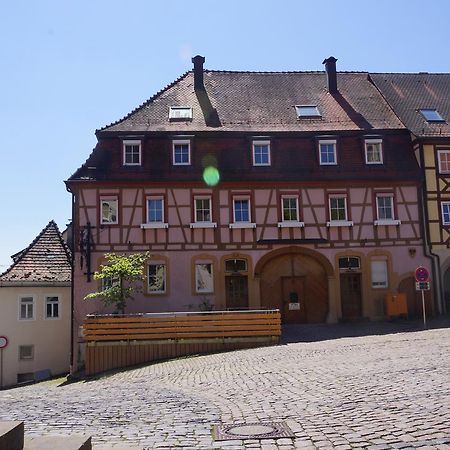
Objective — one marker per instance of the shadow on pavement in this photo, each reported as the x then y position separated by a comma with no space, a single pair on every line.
323,332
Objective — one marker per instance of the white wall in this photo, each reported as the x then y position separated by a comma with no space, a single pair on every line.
50,337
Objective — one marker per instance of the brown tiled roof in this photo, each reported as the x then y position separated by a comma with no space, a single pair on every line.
45,260
408,92
263,102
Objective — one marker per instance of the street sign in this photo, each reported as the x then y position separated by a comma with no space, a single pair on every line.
422,285
422,275
3,341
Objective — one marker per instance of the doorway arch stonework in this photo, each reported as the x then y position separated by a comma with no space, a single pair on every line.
292,273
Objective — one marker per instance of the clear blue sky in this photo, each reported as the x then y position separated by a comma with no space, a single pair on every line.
68,68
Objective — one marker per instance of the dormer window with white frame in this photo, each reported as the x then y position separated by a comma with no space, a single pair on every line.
327,152
180,113
385,210
132,153
307,111
261,153
181,152
373,151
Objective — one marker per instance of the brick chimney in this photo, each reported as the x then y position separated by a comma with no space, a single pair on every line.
330,68
198,72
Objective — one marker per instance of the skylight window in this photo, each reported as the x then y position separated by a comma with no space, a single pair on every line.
307,111
180,113
431,115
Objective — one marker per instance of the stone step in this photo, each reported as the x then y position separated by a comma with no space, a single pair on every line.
11,435
72,442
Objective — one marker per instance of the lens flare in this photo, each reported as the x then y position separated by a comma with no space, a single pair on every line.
211,176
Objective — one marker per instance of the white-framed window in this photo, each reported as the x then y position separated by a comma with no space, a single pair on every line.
108,211
155,213
327,152
204,278
242,213
180,113
444,161
338,211
338,208
156,278
26,352
52,307
202,209
385,210
26,308
241,209
385,207
445,209
379,274
203,213
181,152
289,209
374,151
261,153
155,210
132,153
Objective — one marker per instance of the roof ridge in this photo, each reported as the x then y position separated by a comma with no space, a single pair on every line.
25,251
409,73
282,72
151,99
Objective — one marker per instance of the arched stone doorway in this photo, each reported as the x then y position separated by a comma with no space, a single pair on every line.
295,281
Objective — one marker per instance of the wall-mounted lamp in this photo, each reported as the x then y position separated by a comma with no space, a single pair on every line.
412,252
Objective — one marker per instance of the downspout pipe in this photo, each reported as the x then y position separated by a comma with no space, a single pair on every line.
72,289
436,262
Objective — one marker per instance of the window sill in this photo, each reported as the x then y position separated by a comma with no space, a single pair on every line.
242,225
387,222
155,225
291,224
340,223
203,225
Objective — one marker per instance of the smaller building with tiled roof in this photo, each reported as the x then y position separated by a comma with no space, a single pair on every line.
35,310
45,261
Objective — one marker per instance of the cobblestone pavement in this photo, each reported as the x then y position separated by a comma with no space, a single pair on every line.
376,392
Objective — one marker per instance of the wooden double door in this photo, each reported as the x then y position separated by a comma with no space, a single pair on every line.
297,285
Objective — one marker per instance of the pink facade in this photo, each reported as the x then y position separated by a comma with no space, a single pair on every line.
179,247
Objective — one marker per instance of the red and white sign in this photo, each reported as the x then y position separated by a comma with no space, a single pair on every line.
422,275
3,341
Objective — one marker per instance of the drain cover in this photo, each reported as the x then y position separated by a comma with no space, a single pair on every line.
266,430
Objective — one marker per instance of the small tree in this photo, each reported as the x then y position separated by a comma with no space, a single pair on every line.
122,275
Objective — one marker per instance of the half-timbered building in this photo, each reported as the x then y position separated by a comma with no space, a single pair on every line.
295,190
422,102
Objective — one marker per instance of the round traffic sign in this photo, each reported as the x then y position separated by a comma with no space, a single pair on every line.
3,341
422,274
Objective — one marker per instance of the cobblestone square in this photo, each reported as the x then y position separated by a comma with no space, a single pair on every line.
375,392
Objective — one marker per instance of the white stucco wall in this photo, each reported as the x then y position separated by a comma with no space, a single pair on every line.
50,337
